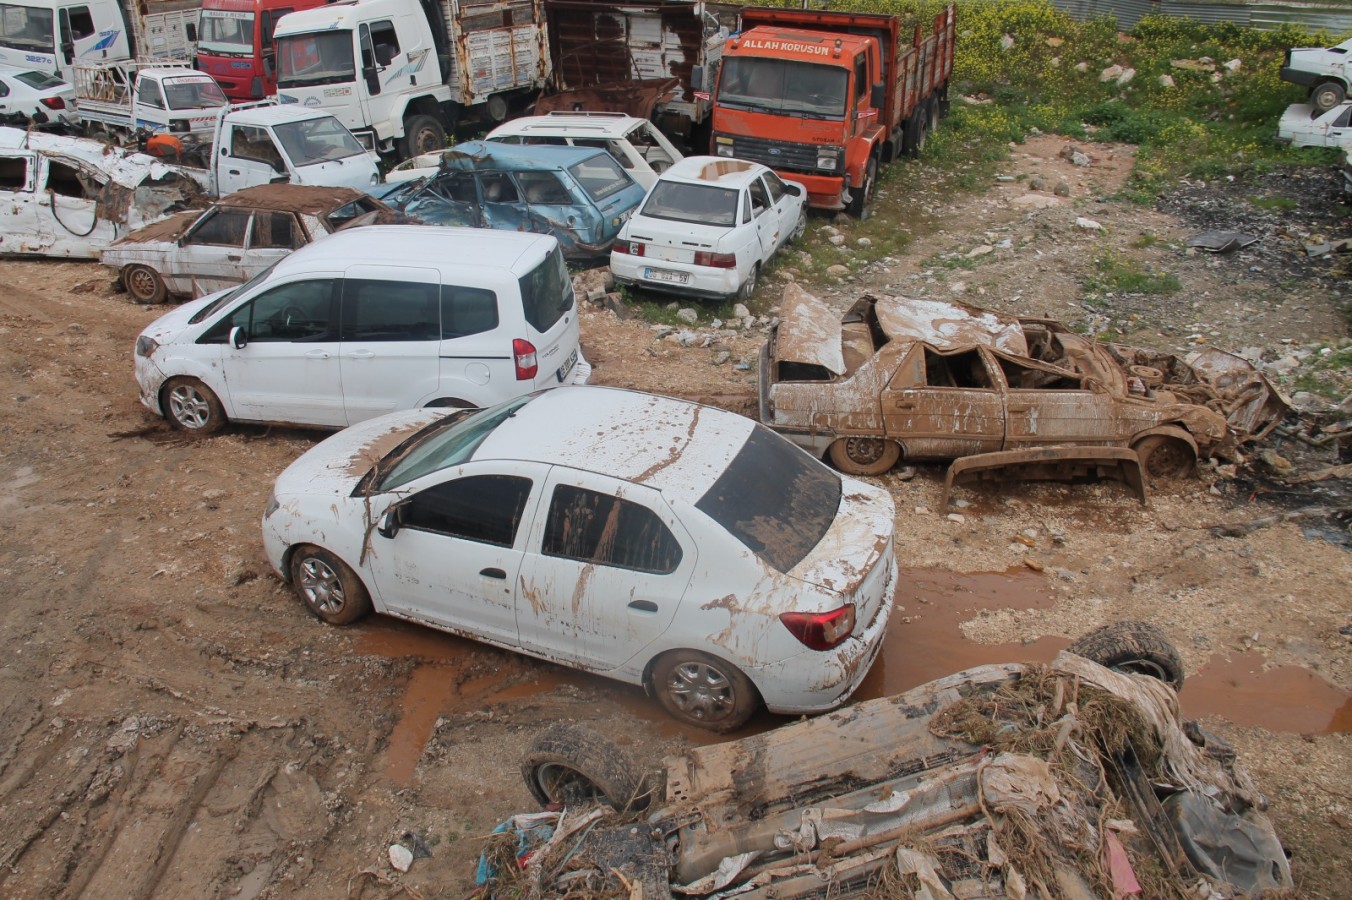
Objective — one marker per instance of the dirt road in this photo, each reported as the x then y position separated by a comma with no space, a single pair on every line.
174,724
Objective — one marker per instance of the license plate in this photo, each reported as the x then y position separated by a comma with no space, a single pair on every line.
567,366
664,275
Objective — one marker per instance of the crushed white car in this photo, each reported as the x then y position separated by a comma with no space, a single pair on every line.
1304,126
650,540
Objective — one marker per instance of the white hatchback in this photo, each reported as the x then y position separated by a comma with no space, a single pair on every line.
646,539
365,322
708,227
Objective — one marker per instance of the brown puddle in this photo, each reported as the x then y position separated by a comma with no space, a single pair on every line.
1284,698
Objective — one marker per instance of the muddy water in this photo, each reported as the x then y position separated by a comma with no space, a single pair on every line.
1284,698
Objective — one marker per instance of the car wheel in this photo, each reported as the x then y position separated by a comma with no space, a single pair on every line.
1327,95
327,586
1136,647
864,455
704,691
800,227
144,284
573,765
1164,456
423,134
861,202
190,405
749,286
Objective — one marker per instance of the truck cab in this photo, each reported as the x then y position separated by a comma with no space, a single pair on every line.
269,143
131,98
235,44
50,35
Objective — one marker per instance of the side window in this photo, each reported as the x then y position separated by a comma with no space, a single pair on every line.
746,208
148,94
4,89
390,311
466,311
544,188
483,508
251,142
299,311
498,188
458,188
760,201
14,173
385,41
775,186
1026,378
1345,119
223,228
274,229
601,528
956,370
81,22
861,84
269,23
68,181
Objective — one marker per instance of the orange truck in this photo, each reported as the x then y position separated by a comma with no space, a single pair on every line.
826,98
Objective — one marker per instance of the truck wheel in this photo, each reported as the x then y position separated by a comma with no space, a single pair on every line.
861,200
570,764
422,134
1140,648
917,130
144,284
1327,95
864,455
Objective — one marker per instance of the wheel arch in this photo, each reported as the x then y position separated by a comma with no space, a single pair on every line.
1174,431
199,371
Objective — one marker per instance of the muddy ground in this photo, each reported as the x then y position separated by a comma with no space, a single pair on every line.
174,724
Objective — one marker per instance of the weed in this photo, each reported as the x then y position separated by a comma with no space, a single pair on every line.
1116,274
1281,204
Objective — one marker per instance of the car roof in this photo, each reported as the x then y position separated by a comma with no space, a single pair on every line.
8,69
276,114
717,170
421,247
301,198
605,126
126,167
477,155
675,446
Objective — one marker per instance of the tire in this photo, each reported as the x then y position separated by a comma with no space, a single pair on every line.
917,131
1327,95
144,284
1139,648
573,765
861,201
749,286
422,134
704,691
864,455
1164,456
799,228
189,405
327,586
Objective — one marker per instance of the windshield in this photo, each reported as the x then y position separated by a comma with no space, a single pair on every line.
780,85
697,203
775,499
41,80
194,92
600,176
26,28
222,31
214,305
321,58
446,444
317,140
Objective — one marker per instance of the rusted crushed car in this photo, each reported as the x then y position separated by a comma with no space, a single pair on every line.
925,379
197,253
1074,779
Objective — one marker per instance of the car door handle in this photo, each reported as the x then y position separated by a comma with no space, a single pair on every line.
903,404
643,605
233,171
233,258
1019,409
493,573
317,354
361,354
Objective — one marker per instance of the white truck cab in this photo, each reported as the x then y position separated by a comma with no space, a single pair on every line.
256,144
51,35
130,98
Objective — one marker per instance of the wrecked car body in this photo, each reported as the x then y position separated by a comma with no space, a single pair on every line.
1003,781
196,253
580,195
71,197
930,379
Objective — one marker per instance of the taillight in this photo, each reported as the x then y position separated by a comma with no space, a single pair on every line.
523,354
53,102
821,631
627,248
716,260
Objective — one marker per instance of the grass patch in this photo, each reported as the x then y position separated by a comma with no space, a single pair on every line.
1275,204
1117,274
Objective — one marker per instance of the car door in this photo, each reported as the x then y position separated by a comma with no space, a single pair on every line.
22,229
604,571
288,369
766,219
67,200
502,205
1047,405
945,404
454,560
1339,126
273,234
391,338
785,207
211,255
250,158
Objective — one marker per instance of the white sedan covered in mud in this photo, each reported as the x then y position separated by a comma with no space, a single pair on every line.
708,227
651,540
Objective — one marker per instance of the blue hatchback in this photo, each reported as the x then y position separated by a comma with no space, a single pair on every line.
580,195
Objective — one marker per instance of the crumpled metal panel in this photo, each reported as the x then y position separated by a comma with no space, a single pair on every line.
1252,403
947,325
810,331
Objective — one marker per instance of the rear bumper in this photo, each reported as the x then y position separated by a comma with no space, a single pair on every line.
1302,77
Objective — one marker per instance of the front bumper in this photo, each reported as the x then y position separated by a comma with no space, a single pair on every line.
149,380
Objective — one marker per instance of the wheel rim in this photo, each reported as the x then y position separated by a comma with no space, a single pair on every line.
749,286
701,692
427,141
864,451
1144,667
141,283
563,784
189,407
801,228
1169,458
321,586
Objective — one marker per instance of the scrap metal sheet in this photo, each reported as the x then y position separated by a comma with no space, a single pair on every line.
947,325
809,332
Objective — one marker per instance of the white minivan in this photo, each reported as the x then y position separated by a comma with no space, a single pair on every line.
364,322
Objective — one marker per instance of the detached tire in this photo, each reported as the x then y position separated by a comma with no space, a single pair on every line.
573,765
1139,648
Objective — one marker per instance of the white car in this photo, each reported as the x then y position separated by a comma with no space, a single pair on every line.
364,322
650,540
27,95
708,227
1304,126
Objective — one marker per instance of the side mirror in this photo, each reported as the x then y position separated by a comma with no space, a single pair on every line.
190,32
697,77
793,189
279,166
877,96
389,524
238,337
384,55
269,66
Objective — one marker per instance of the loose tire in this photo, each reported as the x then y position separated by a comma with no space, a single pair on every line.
1327,95
864,455
144,284
573,765
1136,647
703,690
749,286
191,406
1164,456
327,586
861,201
423,134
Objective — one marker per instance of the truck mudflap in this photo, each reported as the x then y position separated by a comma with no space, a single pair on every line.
634,98
1049,464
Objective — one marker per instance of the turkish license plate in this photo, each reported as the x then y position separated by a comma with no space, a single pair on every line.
666,275
567,366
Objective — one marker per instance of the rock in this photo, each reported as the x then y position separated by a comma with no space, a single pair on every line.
742,366
1088,224
1055,42
1275,461
1007,42
1233,65
615,304
1062,189
721,357
214,494
836,240
959,518
957,287
1080,159
1082,67
1034,201
1192,65
400,857
979,251
1125,78
1111,73
1006,244
960,504
686,338
1284,366
716,324
864,242
739,311
687,315
837,271
905,473
1307,402
1166,81
1037,183
829,230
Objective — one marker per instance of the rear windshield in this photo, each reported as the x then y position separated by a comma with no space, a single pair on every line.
40,80
600,176
547,292
701,204
775,499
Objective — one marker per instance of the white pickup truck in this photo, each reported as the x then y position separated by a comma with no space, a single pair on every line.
127,98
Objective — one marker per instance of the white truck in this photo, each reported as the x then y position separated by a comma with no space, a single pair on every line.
127,98
1326,71
398,73
52,35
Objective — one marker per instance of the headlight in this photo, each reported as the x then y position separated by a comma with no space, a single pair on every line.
724,150
146,346
828,158
723,146
272,506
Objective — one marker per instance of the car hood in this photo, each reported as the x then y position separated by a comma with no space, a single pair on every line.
855,544
171,324
337,463
161,233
